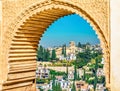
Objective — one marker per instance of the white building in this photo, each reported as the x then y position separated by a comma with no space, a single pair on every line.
42,72
103,61
45,87
81,85
90,87
100,87
81,72
100,72
65,85
71,75
70,52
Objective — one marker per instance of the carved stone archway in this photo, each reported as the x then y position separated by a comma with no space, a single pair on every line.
23,33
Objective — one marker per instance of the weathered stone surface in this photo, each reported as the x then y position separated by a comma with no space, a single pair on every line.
26,20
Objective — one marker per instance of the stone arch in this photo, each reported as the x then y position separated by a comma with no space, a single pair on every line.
23,37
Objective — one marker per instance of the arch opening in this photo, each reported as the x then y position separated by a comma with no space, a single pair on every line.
58,65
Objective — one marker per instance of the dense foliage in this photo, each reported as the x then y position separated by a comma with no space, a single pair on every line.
45,55
57,73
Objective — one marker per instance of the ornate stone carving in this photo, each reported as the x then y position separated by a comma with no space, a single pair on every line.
95,12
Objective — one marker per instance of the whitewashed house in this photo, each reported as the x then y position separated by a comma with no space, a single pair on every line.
100,87
71,75
42,72
100,72
65,85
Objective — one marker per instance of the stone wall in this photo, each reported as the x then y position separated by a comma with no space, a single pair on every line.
19,20
115,45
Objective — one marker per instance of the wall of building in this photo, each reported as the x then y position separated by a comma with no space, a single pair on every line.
13,8
0,40
115,45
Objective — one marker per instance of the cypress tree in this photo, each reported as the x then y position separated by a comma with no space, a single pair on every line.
53,83
44,55
53,55
73,87
79,44
75,71
65,50
84,76
40,53
67,70
78,76
96,79
59,87
47,55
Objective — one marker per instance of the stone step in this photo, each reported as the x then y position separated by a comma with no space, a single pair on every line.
22,58
10,82
33,25
41,19
34,32
22,70
22,51
24,42
23,54
21,65
8,86
26,36
23,47
23,62
20,75
38,22
46,16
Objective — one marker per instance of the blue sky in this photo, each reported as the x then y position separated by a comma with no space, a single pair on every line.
69,28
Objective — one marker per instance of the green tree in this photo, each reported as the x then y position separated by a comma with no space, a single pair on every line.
101,79
41,89
73,87
67,70
64,50
59,87
95,73
75,71
53,57
48,90
88,43
56,87
80,62
84,75
53,83
90,81
44,54
83,58
79,45
78,76
40,53
47,55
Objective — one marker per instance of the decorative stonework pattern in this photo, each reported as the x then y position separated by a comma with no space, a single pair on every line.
95,12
